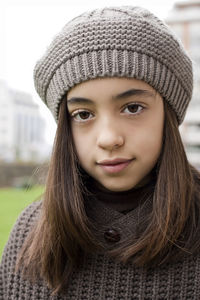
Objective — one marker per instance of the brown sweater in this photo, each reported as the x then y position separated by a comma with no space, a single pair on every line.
101,277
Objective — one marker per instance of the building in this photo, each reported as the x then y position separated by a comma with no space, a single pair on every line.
21,127
184,19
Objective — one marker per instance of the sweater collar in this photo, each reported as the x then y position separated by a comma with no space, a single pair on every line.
124,201
105,217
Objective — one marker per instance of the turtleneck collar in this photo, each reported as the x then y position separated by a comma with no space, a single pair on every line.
126,214
111,212
124,201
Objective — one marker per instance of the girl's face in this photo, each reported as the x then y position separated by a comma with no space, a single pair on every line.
117,127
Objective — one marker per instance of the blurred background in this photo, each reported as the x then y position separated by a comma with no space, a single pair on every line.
27,128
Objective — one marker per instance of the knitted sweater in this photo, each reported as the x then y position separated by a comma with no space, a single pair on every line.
101,277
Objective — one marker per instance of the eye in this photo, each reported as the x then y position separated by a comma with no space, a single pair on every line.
133,108
81,115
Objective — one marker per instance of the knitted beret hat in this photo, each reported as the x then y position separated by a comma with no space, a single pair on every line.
121,41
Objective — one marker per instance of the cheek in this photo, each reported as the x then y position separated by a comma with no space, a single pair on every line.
81,143
149,142
153,148
155,145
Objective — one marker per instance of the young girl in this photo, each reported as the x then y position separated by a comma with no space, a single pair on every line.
119,218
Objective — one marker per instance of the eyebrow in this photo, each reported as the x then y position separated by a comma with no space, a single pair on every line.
123,95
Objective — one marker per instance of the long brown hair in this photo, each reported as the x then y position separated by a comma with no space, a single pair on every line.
64,232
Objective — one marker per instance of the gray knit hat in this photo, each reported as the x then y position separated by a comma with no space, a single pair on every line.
116,41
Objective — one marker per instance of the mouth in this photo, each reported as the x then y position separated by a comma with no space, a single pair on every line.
114,166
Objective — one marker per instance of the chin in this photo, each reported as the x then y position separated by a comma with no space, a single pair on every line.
118,188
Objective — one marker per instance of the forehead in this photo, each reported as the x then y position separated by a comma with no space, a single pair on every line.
107,86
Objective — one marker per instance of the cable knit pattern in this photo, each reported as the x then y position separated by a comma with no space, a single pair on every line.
100,277
116,41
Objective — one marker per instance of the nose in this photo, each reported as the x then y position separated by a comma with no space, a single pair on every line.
110,137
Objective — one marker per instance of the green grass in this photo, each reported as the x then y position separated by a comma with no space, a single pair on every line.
12,202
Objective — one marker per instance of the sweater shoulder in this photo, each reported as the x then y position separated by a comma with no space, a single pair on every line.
22,227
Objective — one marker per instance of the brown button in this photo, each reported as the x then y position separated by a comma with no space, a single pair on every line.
112,235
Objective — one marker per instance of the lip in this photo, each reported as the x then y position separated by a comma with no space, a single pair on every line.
113,161
115,165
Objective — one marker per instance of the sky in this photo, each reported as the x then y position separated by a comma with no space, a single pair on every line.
28,26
